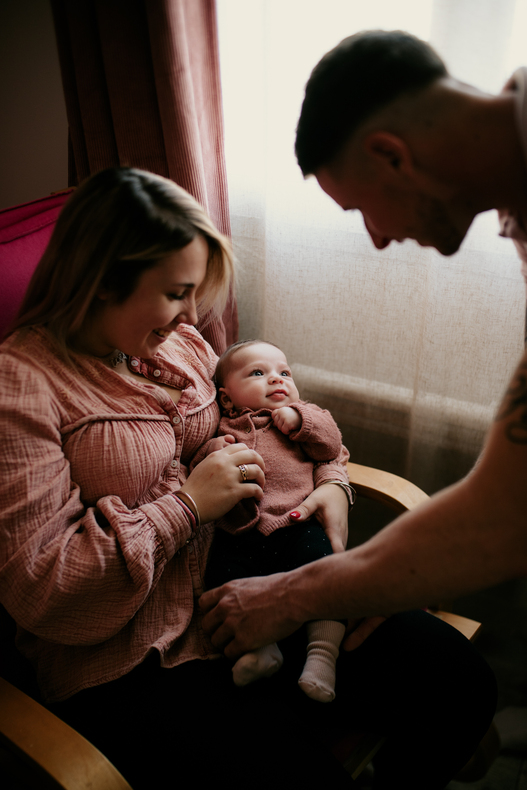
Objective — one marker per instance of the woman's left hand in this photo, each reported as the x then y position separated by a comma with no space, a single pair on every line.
329,504
331,509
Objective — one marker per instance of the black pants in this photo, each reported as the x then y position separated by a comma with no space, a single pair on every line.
254,554
415,679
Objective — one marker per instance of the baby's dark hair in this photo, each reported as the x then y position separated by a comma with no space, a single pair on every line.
223,365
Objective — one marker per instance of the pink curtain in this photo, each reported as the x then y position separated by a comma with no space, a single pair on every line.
142,87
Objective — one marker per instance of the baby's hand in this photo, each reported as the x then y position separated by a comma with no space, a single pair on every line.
287,419
220,442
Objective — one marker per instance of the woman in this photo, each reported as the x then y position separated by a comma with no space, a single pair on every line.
106,395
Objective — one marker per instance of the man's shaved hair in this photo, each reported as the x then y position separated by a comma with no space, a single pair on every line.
362,74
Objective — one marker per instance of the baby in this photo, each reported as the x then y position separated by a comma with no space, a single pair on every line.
262,408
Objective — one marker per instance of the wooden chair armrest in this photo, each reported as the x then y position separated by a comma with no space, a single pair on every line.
395,492
38,737
469,628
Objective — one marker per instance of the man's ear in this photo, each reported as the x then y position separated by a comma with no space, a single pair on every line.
225,401
389,150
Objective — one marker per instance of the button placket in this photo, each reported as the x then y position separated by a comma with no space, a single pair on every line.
178,426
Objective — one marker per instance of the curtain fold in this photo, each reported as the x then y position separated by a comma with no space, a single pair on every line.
142,88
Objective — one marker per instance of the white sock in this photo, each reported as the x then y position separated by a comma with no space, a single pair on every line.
318,678
261,663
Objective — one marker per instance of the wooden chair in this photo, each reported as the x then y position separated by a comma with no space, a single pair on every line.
36,745
36,748
39,750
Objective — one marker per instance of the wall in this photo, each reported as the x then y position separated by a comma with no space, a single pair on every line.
33,129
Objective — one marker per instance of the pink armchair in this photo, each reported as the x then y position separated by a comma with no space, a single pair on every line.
24,233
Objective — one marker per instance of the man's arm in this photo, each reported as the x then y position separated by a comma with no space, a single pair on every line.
469,536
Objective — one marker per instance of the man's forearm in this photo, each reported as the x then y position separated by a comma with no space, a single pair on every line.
448,547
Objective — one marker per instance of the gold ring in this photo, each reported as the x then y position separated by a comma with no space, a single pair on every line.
243,472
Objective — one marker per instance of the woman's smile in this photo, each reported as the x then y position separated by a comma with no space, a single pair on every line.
164,297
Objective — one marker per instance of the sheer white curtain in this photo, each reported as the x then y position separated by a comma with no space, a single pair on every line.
409,350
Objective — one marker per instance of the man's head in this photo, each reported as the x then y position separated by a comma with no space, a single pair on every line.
254,374
362,74
368,131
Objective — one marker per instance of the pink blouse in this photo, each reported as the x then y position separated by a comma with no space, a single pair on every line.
98,561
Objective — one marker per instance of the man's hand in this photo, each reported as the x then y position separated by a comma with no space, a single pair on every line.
246,614
287,419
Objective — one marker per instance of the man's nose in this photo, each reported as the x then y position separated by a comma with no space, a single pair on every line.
381,242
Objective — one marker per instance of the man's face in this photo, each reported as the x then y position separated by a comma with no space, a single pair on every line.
393,209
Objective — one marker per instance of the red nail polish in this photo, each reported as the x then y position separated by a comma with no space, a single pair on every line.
295,514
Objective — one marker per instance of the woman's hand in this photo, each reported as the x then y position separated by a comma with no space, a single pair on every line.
216,484
329,504
333,515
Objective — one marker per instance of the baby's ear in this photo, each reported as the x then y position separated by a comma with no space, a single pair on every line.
225,401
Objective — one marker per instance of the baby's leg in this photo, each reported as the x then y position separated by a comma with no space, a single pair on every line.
318,678
261,663
300,544
236,557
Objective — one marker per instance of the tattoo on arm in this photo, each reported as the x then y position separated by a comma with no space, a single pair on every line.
516,400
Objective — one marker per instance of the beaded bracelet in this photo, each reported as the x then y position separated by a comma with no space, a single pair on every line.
194,510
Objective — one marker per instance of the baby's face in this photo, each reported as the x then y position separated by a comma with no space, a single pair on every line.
259,378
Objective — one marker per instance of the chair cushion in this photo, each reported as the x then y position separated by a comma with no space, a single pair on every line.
24,234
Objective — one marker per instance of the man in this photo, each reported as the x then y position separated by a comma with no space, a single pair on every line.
387,131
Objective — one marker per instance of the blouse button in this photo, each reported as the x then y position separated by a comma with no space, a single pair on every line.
176,419
174,464
134,363
157,373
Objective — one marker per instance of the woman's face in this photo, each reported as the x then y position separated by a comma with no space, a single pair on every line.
164,297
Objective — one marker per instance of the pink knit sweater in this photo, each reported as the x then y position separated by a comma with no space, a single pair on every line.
290,462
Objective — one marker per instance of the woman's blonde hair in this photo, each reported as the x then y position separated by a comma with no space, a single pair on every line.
118,223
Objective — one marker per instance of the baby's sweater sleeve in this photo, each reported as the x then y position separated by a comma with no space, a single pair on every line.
318,434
